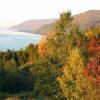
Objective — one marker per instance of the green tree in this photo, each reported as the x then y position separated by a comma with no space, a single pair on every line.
46,84
32,51
21,57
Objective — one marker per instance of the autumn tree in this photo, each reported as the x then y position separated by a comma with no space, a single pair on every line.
92,69
72,81
93,32
93,66
53,47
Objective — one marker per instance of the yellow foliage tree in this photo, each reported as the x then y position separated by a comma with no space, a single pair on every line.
92,32
73,84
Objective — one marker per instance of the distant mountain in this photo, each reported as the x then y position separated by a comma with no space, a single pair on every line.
84,20
45,28
33,25
87,19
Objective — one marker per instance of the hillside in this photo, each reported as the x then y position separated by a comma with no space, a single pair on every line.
84,20
32,25
87,19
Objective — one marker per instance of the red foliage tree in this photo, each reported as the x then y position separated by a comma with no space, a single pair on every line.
94,45
93,67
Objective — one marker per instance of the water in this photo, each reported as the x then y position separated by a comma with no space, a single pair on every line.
13,40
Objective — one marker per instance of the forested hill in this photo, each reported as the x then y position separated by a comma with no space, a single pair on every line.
84,20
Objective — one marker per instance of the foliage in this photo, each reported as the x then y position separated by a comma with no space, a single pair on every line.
72,81
94,45
92,32
92,70
93,67
65,65
54,46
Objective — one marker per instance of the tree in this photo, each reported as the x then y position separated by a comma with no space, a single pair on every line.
21,57
93,67
94,45
53,47
92,32
7,55
45,81
10,66
92,70
72,82
32,51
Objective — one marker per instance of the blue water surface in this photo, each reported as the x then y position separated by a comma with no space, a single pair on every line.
14,40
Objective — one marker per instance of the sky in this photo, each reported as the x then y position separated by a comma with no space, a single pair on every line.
13,12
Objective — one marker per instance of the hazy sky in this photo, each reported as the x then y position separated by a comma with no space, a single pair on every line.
15,11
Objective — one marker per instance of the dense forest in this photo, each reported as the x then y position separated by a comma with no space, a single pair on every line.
64,65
